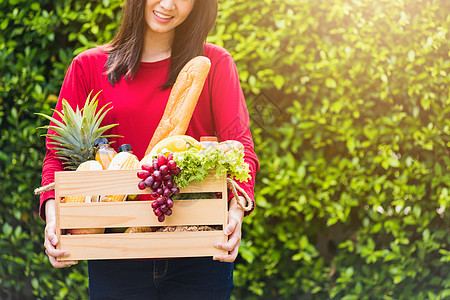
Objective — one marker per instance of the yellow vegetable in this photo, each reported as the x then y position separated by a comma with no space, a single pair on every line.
85,166
138,229
176,143
121,161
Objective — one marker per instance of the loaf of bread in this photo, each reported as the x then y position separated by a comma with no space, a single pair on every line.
182,100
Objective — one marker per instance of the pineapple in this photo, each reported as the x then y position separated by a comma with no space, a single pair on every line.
77,132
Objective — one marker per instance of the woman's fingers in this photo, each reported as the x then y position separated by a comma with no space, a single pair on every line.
231,227
61,264
50,242
51,236
50,250
232,246
54,253
233,230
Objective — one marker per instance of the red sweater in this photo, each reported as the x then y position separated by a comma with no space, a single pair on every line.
138,106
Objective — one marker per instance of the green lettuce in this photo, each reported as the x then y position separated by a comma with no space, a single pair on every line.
196,164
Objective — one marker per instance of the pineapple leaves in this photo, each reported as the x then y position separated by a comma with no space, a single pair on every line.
100,130
77,131
71,119
51,119
85,130
99,117
89,109
61,135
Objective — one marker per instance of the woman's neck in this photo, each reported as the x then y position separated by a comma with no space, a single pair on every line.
156,46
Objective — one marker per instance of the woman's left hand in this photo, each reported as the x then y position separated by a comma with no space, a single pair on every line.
233,231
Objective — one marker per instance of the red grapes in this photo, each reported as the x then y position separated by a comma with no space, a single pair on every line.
159,178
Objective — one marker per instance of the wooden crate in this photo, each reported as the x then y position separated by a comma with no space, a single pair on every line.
135,214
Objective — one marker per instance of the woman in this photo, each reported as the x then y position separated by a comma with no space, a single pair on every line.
135,72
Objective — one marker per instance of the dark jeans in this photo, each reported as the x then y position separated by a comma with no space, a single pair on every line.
181,278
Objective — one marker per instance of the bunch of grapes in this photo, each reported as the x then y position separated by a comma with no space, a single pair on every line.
159,178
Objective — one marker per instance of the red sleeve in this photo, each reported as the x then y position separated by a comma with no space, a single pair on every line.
231,115
74,90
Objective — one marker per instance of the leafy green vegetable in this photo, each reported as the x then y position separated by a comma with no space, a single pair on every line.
196,164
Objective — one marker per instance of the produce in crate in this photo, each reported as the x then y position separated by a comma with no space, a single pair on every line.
159,178
76,133
138,229
128,148
85,166
164,176
182,100
174,122
124,161
104,153
191,214
121,161
173,144
74,142
196,164
158,171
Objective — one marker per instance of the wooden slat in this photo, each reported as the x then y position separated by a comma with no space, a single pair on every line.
142,245
209,185
117,182
139,213
57,213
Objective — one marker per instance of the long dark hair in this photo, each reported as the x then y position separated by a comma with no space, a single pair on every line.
124,52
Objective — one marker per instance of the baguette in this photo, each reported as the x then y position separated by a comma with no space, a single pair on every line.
182,100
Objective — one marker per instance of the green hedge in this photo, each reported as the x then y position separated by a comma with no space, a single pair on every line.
353,193
38,40
349,102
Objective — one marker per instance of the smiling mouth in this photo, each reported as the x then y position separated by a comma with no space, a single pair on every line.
162,16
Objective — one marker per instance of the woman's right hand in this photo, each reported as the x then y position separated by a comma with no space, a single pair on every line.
51,240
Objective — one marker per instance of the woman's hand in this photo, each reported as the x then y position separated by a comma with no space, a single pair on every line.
51,240
233,230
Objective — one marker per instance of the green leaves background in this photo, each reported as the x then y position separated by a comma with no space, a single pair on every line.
349,104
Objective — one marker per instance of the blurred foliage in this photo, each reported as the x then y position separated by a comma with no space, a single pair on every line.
349,102
351,119
38,40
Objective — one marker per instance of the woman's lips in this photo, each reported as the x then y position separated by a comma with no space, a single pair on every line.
162,17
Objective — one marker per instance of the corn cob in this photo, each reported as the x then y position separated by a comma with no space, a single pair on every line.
138,229
85,166
121,161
